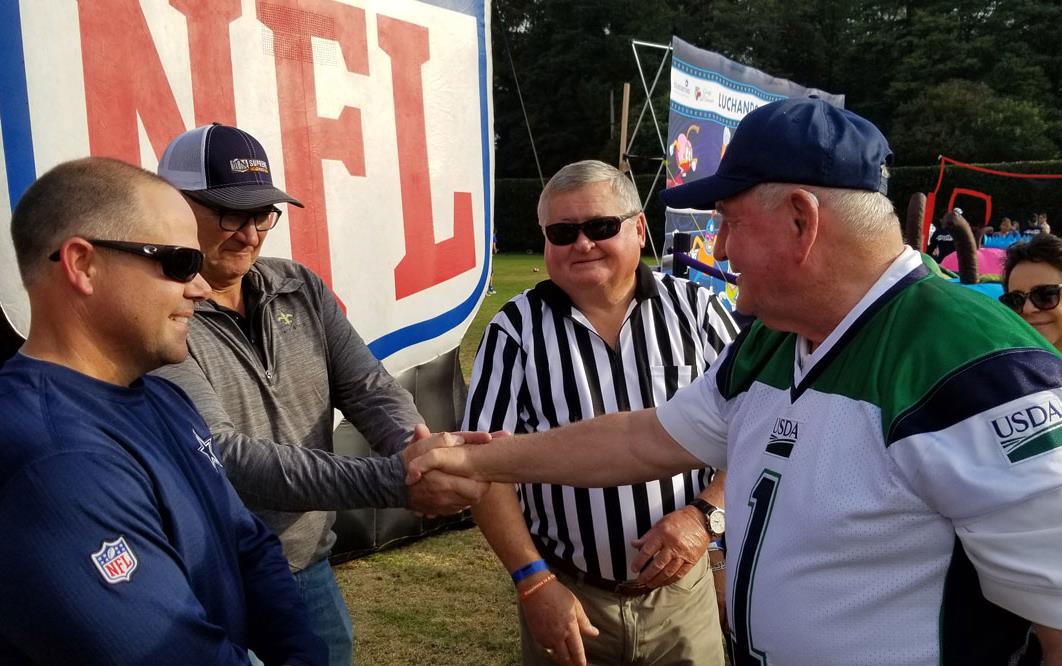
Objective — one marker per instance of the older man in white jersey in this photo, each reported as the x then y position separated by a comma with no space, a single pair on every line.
892,485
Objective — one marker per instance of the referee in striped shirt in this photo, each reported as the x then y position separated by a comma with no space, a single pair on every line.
624,567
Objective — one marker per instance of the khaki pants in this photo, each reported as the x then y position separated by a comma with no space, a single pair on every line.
675,625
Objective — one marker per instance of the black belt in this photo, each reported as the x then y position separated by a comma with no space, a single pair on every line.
623,587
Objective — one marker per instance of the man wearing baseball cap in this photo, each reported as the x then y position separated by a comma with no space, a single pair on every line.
270,356
892,485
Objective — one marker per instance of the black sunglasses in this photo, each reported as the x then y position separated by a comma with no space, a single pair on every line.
178,263
1042,296
234,220
596,229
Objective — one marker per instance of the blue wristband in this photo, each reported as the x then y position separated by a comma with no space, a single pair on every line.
529,570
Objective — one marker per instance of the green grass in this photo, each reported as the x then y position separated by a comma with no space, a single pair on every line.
444,600
512,274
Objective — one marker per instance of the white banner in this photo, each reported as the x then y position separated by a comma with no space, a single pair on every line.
375,114
710,94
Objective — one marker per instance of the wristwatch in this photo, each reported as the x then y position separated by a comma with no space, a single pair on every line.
714,517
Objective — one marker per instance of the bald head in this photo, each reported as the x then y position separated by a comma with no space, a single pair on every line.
94,197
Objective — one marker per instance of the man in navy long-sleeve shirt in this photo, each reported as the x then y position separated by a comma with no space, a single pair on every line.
123,541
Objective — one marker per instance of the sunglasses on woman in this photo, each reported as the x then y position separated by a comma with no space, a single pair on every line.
178,263
1042,296
596,229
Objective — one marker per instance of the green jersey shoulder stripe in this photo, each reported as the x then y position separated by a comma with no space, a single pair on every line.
990,349
758,354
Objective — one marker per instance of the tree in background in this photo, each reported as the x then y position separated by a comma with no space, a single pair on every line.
980,81
970,122
569,55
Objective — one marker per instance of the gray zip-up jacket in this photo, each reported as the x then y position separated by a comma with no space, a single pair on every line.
269,404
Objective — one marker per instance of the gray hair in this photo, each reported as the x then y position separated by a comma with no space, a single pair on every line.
94,197
588,172
864,212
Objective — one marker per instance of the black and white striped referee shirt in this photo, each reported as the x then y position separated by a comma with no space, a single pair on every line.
541,365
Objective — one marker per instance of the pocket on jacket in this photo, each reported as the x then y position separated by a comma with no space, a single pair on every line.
671,378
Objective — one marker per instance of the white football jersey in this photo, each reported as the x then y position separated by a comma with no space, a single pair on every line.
894,499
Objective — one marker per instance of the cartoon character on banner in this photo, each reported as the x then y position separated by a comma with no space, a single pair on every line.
702,248
682,150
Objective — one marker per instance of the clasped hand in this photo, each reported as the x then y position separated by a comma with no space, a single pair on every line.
433,492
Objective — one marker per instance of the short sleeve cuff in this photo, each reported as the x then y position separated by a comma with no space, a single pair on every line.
1039,606
687,420
1015,553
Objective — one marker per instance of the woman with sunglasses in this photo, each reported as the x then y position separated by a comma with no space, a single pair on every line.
1033,280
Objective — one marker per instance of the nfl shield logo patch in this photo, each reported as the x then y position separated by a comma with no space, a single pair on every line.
115,561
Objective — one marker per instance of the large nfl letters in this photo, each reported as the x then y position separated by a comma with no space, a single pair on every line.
376,115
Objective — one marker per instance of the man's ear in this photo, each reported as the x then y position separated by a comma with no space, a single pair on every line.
77,261
804,206
642,230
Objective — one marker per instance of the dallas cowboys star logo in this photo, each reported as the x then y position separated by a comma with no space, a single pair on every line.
206,447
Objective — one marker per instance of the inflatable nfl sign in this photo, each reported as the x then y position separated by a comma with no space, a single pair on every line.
376,114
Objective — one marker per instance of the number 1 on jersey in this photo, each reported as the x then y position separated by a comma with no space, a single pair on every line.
762,502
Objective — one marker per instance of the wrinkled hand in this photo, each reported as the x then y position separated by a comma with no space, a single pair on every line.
558,623
439,493
671,548
451,460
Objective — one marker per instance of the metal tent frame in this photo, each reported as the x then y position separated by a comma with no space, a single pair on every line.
648,88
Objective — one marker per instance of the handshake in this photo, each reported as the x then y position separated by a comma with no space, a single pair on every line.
437,478
448,472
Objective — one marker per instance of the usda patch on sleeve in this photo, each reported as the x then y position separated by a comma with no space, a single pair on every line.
1028,428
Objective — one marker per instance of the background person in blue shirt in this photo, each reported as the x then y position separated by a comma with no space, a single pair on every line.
123,541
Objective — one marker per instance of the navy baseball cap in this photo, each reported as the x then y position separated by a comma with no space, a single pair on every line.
221,167
805,141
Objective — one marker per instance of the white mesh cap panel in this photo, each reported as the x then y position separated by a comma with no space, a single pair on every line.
182,164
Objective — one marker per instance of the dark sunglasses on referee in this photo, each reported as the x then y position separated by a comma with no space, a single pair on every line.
596,229
178,263
1042,296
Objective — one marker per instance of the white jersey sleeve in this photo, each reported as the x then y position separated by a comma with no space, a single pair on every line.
997,475
1018,559
696,417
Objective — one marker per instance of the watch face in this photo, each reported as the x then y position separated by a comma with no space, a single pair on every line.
717,521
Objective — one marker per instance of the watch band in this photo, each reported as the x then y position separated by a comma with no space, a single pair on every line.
703,506
707,509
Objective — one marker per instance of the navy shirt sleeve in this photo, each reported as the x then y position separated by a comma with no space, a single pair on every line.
60,511
276,616
90,576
